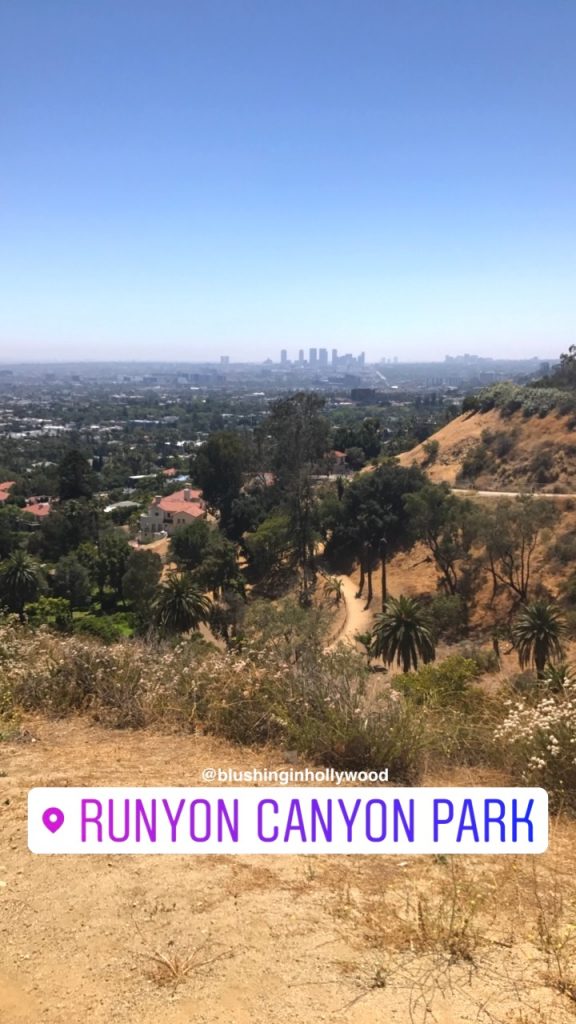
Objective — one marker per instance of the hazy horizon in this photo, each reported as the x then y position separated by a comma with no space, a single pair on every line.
180,182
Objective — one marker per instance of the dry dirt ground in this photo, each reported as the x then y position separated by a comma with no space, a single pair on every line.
253,940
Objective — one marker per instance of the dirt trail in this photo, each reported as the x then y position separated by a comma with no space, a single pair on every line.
471,493
358,618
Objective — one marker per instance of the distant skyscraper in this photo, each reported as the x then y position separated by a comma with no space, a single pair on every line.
283,356
334,357
362,359
323,357
313,356
225,360
301,357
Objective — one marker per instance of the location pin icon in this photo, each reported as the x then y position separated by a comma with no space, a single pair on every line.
53,818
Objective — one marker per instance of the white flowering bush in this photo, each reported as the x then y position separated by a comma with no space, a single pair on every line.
539,739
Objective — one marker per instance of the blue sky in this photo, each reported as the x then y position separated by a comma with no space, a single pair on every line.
189,178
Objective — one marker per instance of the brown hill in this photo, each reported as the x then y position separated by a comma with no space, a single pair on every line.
488,451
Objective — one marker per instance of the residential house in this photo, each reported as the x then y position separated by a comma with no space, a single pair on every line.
38,507
167,514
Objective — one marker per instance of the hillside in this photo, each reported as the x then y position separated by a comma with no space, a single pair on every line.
492,451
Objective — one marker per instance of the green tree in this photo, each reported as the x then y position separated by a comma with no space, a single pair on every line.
402,634
218,468
511,532
537,635
67,527
270,545
355,458
112,562
72,581
75,477
449,526
20,582
218,570
189,544
179,605
10,521
140,583
299,435
248,511
370,522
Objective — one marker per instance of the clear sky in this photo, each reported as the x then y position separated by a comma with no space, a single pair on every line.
188,178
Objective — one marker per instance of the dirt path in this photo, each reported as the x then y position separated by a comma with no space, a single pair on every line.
358,618
471,493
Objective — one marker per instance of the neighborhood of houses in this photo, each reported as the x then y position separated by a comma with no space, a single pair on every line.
165,513
163,516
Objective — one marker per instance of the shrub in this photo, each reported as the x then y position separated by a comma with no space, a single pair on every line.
272,691
510,398
449,616
444,684
541,467
458,717
477,460
538,738
431,451
320,710
485,660
104,628
563,550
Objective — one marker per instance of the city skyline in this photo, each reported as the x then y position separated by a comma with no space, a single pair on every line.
197,179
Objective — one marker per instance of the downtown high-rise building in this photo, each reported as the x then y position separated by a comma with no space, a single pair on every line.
323,357
283,357
313,356
301,357
334,357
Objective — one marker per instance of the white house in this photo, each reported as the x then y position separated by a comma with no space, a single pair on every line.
167,514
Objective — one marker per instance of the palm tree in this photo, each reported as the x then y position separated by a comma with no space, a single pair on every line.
179,606
20,579
537,635
402,633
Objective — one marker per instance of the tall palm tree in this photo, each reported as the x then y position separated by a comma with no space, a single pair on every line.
402,633
537,635
20,579
179,605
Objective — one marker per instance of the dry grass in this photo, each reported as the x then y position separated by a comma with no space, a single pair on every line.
173,967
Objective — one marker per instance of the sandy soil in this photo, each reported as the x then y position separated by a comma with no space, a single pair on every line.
268,940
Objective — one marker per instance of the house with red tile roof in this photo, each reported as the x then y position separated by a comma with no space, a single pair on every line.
5,489
38,507
169,513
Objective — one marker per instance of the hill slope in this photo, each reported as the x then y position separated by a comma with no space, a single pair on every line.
494,452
